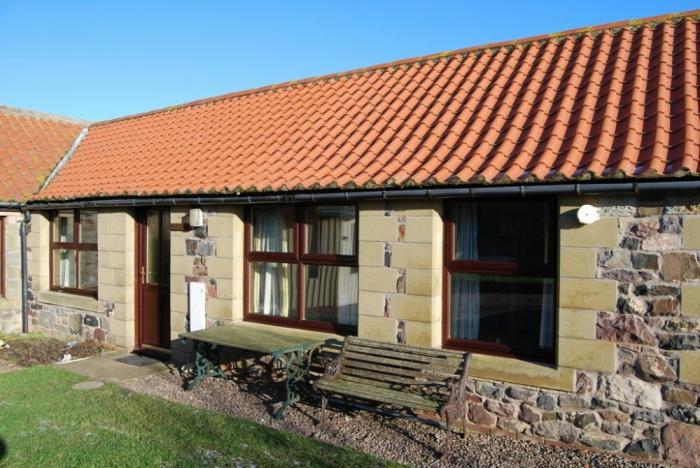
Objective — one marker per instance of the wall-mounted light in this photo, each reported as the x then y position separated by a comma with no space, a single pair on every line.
196,217
587,214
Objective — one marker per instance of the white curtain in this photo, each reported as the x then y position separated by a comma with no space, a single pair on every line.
331,288
271,281
67,262
466,299
347,277
547,315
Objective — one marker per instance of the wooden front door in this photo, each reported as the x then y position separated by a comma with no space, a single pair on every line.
153,278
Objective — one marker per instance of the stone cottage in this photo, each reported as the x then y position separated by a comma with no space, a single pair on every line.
534,202
31,143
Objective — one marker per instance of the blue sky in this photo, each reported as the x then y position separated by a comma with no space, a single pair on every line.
98,60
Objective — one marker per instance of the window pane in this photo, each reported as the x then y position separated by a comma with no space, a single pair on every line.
88,270
64,268
273,289
331,230
63,226
88,227
502,231
273,229
513,311
331,294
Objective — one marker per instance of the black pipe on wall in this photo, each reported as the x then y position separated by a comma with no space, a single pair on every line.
384,194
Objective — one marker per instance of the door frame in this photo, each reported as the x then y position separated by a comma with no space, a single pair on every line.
140,219
139,216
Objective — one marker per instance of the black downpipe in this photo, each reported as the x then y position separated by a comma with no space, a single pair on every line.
26,218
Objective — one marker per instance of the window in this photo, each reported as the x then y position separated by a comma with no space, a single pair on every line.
74,252
2,256
301,266
499,281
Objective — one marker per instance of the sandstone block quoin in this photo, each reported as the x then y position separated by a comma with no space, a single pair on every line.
691,299
597,355
690,367
580,293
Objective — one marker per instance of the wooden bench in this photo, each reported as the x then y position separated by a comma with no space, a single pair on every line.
419,379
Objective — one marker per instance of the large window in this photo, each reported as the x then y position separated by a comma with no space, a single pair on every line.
499,283
74,252
301,266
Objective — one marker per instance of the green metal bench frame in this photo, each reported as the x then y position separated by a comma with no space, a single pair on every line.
399,375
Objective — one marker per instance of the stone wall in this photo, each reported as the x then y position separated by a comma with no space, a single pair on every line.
11,303
116,246
400,257
213,255
110,316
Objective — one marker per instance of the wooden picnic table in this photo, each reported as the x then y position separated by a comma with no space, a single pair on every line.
289,350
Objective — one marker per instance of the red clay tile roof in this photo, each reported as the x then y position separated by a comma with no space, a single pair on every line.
619,100
31,143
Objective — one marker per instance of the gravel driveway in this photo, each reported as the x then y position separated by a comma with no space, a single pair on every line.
401,440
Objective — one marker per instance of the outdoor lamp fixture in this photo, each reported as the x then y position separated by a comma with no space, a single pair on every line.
196,217
587,214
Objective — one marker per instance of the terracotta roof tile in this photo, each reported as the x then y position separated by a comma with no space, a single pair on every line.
618,100
31,143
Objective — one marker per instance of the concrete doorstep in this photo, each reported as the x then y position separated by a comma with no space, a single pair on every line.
117,367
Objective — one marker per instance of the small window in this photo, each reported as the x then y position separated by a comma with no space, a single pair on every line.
74,252
302,266
499,259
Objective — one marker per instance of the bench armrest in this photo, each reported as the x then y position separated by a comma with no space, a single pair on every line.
333,367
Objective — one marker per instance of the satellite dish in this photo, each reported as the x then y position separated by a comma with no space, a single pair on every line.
587,214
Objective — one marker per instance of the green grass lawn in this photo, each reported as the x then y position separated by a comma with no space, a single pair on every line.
44,422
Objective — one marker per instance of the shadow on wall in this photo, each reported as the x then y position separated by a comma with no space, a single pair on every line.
569,220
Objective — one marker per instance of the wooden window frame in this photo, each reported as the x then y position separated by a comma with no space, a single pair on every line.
498,268
302,260
74,245
2,256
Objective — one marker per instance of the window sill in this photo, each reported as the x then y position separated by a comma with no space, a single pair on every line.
521,372
74,301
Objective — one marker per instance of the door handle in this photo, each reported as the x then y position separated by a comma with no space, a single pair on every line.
142,274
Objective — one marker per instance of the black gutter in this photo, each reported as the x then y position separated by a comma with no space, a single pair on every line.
381,194
10,206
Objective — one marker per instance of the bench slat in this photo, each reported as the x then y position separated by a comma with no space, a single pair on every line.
384,378
423,359
441,392
442,367
369,392
447,354
381,371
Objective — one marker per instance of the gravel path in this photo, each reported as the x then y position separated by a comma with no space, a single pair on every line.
401,440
